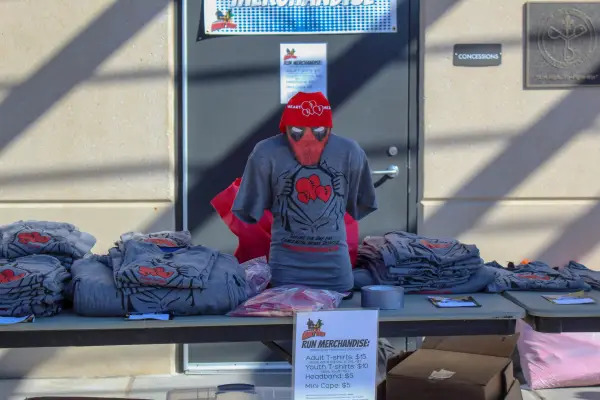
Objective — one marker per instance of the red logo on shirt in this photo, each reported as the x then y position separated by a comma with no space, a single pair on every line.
8,275
162,242
311,189
35,237
156,271
533,276
434,245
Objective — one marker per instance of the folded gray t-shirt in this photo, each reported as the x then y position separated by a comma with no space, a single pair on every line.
308,236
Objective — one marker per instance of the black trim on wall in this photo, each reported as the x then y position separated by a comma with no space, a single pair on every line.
178,131
414,117
178,111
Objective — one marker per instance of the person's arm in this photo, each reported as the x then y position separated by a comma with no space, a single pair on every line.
254,195
361,193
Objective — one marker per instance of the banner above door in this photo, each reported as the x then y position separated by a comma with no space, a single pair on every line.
268,17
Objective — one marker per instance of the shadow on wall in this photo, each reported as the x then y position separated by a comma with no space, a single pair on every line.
521,158
74,64
588,395
71,66
22,366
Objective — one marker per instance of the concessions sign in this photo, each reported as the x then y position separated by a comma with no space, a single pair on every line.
261,17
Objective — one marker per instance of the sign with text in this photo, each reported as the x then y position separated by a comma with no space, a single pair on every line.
335,354
263,17
303,68
477,55
562,46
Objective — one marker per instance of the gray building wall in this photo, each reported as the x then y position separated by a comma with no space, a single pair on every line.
513,170
87,137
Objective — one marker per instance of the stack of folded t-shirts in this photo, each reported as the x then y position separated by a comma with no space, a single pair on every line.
57,239
35,257
420,264
32,285
160,272
535,275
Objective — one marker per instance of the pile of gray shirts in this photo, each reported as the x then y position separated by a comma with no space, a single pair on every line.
161,272
421,264
35,258
537,275
591,277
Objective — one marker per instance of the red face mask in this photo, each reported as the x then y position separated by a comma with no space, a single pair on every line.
307,143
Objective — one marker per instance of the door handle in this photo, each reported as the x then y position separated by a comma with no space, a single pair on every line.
391,172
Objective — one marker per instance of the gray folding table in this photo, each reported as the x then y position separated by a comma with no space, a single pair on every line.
548,317
419,317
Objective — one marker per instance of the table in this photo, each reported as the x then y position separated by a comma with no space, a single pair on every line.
419,317
547,317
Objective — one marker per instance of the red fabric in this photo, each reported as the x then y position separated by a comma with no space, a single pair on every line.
254,240
307,109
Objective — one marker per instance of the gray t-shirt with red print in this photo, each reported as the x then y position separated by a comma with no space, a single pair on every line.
308,236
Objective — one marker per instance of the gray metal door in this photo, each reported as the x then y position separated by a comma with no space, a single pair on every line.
231,100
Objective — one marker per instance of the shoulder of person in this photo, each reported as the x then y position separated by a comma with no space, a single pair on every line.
266,148
347,144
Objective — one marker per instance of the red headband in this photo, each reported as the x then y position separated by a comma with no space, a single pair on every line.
306,109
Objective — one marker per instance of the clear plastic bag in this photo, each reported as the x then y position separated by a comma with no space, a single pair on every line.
284,301
258,275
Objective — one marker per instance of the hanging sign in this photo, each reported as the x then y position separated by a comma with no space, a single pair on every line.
260,17
335,354
303,68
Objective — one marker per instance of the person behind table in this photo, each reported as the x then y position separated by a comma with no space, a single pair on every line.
308,177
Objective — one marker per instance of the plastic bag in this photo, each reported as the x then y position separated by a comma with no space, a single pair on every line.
254,240
284,301
258,275
553,360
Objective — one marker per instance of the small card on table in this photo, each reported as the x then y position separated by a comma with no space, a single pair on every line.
145,316
16,320
569,298
452,302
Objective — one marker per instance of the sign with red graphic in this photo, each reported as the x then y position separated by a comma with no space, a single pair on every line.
289,54
303,68
224,21
335,354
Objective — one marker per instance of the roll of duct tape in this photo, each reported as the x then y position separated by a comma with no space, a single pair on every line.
383,297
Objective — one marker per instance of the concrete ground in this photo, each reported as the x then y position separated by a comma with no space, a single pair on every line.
139,387
188,387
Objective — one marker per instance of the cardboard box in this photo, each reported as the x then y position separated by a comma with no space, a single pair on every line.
480,367
391,363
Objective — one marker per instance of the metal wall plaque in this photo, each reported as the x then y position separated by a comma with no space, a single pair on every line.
477,55
562,46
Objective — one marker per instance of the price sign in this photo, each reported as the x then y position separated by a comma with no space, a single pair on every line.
335,354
